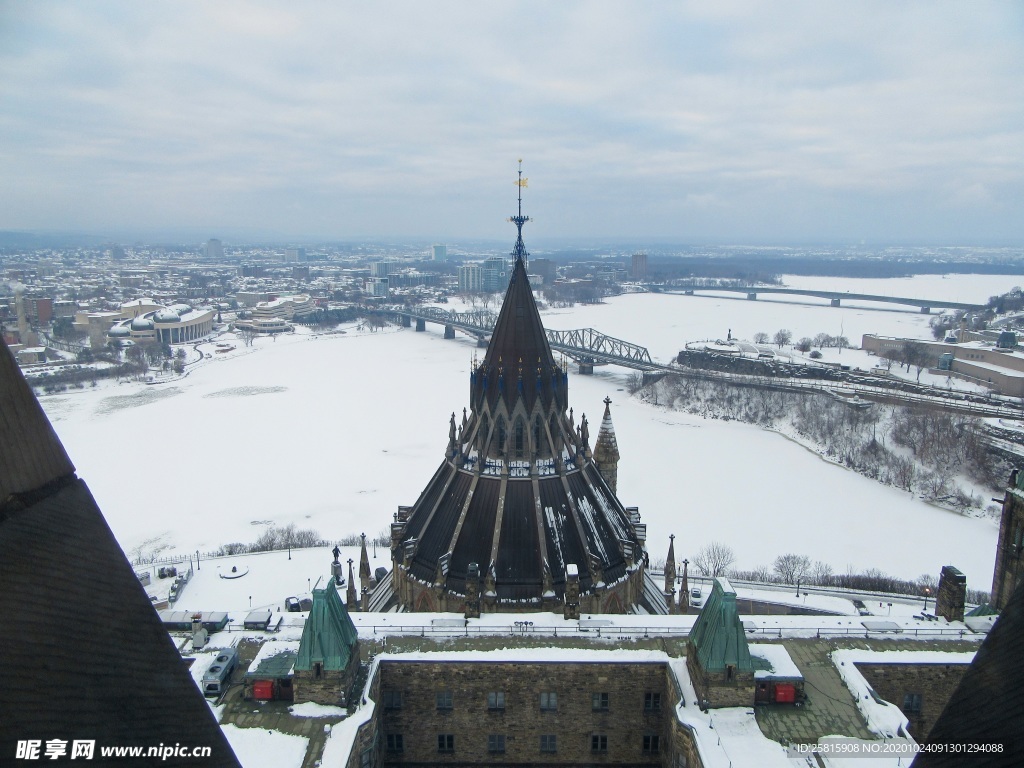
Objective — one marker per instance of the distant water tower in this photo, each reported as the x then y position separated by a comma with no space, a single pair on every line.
440,253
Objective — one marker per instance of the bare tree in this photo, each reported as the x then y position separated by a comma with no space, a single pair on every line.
804,345
916,354
247,335
821,573
782,337
761,337
822,340
714,559
792,568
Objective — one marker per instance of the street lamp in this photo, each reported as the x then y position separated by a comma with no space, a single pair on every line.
927,593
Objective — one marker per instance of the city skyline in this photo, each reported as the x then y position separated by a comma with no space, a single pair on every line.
736,124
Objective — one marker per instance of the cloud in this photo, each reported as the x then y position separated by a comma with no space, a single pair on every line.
348,119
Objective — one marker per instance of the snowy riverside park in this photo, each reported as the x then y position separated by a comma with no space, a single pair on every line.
332,431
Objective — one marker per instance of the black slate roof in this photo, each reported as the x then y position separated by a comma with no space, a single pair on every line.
84,654
987,708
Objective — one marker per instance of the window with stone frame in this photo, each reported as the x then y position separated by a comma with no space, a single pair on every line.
599,702
652,702
444,701
911,704
598,742
391,699
548,701
394,742
548,743
496,743
496,700
446,742
652,743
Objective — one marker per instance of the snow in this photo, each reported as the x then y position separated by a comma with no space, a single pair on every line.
347,427
312,709
257,748
885,719
778,657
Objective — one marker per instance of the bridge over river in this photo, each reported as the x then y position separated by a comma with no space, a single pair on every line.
834,297
589,348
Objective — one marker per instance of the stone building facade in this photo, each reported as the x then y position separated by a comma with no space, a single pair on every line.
546,713
1009,568
919,690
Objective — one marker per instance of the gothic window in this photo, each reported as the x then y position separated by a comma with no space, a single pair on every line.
501,434
520,438
536,433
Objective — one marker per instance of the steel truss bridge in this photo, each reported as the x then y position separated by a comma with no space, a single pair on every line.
589,347
583,345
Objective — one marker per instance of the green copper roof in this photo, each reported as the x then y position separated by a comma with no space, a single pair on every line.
718,633
983,610
329,635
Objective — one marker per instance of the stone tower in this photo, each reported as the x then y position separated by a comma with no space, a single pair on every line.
606,450
1009,568
518,505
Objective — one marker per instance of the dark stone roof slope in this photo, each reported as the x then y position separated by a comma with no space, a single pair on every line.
84,654
987,708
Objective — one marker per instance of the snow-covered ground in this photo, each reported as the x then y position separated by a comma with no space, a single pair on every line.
334,432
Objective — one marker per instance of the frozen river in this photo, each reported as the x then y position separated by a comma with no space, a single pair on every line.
334,432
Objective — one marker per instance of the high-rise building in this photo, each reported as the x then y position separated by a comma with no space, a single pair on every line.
214,249
471,278
440,253
383,268
639,266
495,274
544,269
295,254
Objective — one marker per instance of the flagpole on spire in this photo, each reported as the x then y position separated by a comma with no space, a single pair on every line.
519,252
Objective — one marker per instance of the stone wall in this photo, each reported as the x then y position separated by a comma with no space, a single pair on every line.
640,700
1009,568
717,687
326,687
934,683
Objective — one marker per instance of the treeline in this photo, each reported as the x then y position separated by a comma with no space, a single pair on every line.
289,537
915,449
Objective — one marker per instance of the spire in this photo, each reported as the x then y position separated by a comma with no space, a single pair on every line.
350,593
606,449
519,252
364,563
670,568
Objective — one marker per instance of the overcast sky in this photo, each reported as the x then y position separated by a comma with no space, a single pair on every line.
714,122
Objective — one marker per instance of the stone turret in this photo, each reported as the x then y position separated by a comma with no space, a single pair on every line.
606,450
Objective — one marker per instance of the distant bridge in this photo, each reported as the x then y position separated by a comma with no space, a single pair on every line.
835,297
584,345
589,348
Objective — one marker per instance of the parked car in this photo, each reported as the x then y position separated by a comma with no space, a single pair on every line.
696,597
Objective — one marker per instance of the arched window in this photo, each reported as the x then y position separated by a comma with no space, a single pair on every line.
520,438
536,433
501,434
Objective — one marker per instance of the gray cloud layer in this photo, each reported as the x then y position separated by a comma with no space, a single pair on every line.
754,121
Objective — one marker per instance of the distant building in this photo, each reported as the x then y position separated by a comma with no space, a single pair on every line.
471,278
639,266
295,254
440,253
378,286
143,320
495,274
544,269
214,249
383,268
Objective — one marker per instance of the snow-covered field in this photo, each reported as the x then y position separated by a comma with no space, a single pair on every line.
334,432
